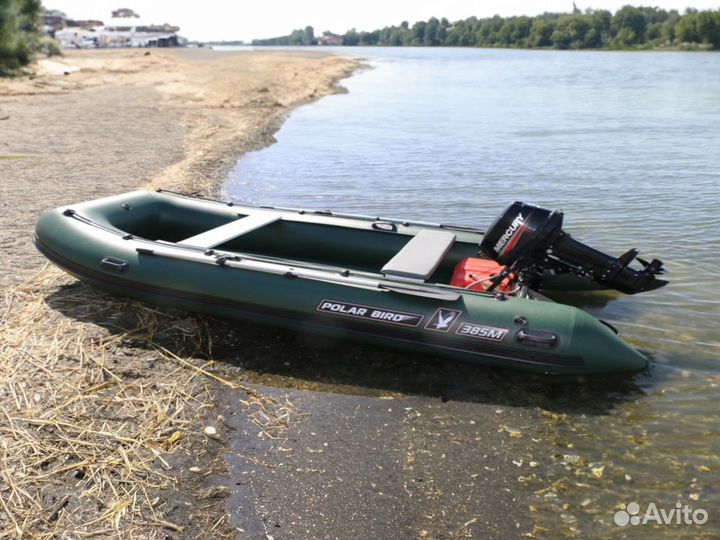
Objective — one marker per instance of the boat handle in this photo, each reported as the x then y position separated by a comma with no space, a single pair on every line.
537,338
384,226
116,265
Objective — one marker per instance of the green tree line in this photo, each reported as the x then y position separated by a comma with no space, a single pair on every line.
296,37
630,27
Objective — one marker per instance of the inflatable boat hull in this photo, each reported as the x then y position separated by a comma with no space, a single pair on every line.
132,245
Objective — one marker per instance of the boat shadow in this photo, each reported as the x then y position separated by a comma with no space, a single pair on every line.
291,359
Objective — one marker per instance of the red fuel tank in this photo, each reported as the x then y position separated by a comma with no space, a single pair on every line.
475,274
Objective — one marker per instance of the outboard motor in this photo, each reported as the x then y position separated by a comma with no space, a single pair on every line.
526,237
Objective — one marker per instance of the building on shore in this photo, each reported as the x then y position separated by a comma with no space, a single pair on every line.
124,13
53,20
330,39
124,29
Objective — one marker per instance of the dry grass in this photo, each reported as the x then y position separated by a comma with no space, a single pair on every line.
91,438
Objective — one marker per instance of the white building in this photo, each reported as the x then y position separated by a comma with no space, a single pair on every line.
133,31
125,29
75,37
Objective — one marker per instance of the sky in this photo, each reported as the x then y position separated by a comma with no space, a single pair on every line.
249,19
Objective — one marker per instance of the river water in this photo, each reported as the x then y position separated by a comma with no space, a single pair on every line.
627,144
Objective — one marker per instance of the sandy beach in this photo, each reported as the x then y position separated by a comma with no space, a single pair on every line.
121,120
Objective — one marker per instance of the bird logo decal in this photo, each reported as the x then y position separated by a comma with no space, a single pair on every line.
443,319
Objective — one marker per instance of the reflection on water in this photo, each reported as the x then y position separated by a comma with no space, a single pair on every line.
626,145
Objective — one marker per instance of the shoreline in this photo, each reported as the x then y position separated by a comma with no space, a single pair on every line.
551,49
125,392
267,112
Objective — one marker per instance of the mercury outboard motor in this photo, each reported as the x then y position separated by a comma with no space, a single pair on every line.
526,237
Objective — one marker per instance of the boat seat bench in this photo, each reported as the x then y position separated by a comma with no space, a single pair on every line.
419,258
229,231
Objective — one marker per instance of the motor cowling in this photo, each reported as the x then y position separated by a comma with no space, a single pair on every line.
525,236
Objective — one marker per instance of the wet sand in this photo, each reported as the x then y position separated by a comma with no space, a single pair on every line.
365,442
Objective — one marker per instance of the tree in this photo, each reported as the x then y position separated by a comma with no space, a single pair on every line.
418,33
309,36
654,31
461,34
19,32
487,31
632,19
573,28
625,38
669,27
504,35
687,29
431,37
443,30
601,21
541,33
561,39
351,37
521,32
708,28
395,39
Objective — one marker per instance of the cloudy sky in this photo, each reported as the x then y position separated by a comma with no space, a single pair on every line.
248,19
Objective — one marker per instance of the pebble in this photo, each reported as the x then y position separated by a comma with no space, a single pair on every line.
210,431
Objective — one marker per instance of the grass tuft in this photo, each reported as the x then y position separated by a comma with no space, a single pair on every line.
88,441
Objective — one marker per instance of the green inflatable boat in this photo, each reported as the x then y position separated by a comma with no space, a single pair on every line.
436,289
